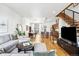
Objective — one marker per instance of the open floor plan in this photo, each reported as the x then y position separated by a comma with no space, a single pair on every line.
39,29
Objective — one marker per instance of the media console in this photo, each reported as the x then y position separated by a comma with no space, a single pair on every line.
71,48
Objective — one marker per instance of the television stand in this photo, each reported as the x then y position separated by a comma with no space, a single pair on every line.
71,49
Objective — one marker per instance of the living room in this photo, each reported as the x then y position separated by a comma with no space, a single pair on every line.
33,29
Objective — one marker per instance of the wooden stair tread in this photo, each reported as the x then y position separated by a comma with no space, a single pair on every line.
66,18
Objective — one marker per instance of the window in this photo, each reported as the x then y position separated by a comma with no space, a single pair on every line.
3,26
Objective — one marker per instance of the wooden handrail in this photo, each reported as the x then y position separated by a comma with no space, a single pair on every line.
64,9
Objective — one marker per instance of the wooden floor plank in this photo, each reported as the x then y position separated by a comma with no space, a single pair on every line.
50,46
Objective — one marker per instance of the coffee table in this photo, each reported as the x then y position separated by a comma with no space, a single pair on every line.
21,47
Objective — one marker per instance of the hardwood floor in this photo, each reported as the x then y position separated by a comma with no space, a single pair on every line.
50,46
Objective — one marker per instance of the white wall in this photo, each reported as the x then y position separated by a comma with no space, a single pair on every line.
40,20
11,16
49,23
31,21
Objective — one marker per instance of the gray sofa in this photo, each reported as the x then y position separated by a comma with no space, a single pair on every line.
6,43
41,50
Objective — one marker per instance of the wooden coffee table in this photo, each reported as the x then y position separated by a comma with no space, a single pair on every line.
21,47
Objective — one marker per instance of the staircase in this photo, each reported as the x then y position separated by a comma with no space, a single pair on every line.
69,21
77,27
71,16
66,18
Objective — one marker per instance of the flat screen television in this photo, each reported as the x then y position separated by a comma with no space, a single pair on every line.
69,33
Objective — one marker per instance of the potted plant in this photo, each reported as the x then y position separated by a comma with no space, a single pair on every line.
20,33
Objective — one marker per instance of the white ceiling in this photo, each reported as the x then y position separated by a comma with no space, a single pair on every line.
37,9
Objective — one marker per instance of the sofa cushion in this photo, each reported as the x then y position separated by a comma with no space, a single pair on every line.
51,53
4,38
1,40
40,47
1,50
9,49
7,38
8,45
13,37
40,53
41,50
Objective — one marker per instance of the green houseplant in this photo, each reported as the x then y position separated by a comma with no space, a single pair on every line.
20,33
